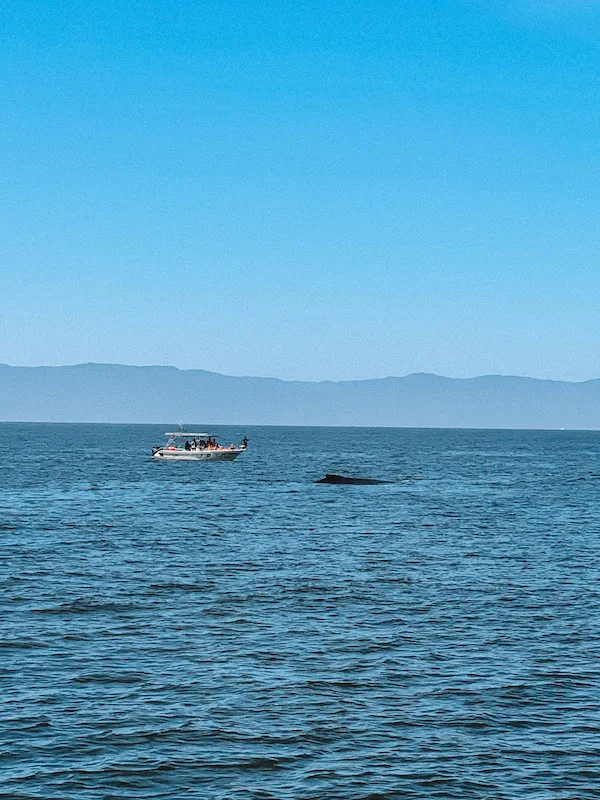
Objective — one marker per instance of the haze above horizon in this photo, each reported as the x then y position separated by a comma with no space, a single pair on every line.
304,191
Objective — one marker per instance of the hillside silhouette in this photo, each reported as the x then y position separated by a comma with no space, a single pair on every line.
119,393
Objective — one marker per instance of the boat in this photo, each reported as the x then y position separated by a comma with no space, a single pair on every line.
197,447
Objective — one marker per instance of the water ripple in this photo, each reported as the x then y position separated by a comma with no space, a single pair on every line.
235,632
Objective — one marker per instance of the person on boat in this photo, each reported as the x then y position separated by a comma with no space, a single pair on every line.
188,446
194,443
245,442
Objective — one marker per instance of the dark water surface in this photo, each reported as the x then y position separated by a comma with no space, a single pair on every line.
235,631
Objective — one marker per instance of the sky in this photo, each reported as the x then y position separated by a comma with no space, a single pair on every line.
304,190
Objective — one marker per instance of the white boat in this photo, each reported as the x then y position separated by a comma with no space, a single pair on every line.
197,447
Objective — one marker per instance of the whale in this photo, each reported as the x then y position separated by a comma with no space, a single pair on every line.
344,479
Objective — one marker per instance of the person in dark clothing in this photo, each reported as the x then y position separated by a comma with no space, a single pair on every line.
188,446
245,442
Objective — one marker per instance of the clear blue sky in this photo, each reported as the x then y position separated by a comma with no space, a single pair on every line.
304,190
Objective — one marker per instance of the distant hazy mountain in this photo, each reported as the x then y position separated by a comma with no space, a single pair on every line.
116,393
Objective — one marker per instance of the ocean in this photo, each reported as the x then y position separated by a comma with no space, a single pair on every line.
233,630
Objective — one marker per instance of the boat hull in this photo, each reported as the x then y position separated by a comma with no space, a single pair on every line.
179,454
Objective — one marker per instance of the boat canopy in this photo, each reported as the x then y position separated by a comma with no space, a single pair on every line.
187,435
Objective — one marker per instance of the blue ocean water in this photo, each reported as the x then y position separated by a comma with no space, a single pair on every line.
233,630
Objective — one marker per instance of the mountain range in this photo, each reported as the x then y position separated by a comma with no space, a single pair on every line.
157,394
